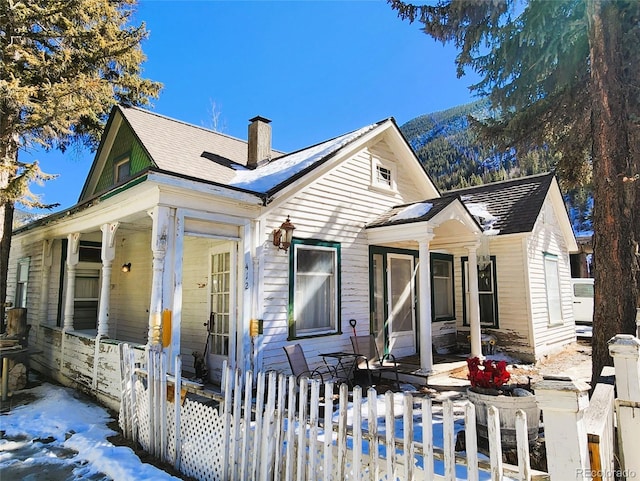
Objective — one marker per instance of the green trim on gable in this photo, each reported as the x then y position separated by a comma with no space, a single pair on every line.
124,145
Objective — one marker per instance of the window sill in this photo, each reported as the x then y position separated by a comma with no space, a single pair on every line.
313,334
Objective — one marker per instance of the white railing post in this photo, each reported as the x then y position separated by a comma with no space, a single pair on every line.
563,403
625,350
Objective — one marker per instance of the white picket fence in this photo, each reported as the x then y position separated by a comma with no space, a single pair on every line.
268,427
252,433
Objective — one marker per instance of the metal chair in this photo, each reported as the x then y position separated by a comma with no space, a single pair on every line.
300,368
369,358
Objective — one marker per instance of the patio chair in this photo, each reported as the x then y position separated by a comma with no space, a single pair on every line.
300,368
369,358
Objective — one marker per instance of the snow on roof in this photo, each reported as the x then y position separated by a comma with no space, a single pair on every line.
413,211
485,218
267,177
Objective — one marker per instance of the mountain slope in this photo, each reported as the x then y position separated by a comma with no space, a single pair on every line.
454,157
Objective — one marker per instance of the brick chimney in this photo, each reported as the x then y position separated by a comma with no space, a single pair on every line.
259,141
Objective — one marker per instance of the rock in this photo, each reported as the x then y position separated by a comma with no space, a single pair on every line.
520,392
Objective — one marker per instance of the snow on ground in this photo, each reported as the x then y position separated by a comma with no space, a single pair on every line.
61,436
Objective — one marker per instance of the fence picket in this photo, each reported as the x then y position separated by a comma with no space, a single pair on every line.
268,428
372,434
257,430
291,453
246,424
357,434
342,431
177,400
162,366
226,416
235,424
522,440
389,426
303,396
427,438
328,431
313,429
279,426
448,441
471,441
495,443
409,446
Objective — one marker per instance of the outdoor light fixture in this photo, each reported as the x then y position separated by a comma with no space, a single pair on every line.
282,236
126,267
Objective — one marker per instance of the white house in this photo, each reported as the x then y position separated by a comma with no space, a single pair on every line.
171,244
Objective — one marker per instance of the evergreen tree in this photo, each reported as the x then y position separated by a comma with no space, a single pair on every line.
63,65
563,75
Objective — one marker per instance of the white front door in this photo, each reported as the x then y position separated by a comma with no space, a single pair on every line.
401,305
222,308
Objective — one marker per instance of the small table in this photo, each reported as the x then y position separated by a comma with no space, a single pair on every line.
345,365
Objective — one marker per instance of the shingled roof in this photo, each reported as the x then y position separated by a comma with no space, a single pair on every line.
187,149
196,152
506,207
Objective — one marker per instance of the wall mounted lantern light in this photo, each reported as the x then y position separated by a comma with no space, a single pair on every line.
126,267
282,236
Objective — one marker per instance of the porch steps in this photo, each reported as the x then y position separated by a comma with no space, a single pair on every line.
440,378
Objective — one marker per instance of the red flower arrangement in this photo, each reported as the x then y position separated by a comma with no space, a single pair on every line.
487,374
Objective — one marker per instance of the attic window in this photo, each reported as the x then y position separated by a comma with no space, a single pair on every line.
122,169
383,174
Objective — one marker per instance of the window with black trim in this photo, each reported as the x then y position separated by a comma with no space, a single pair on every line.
442,287
314,288
487,293
22,280
122,169
552,285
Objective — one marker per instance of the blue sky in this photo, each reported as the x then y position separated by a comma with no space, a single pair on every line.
317,69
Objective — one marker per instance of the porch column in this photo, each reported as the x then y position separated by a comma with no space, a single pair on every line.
107,255
474,302
73,257
47,262
159,237
177,248
424,301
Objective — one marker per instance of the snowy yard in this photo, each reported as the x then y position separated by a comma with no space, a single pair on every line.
61,435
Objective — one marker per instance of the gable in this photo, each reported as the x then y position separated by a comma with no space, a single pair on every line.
293,172
125,146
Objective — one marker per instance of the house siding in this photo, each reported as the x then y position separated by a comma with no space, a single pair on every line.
547,238
512,333
334,208
130,291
